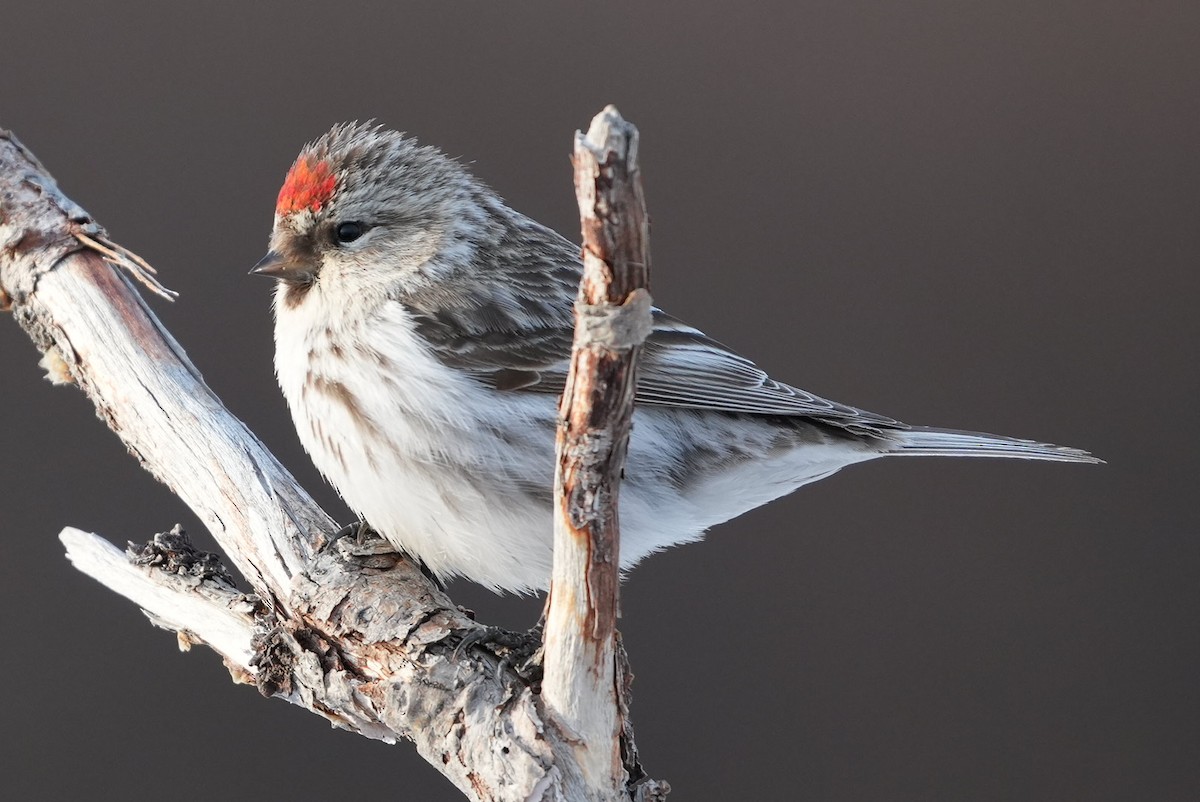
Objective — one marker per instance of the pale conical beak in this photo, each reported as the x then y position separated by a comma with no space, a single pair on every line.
272,266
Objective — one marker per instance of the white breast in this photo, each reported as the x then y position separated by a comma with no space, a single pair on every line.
413,447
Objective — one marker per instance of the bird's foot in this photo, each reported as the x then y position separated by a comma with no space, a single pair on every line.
362,533
522,651
358,539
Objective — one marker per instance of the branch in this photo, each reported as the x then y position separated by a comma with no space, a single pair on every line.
200,606
343,629
583,684
96,332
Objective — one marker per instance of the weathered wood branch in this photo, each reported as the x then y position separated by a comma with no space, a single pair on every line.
96,332
345,629
201,606
584,682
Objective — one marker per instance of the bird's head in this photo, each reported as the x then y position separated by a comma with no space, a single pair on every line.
364,211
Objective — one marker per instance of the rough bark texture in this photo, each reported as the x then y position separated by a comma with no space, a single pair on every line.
585,683
96,332
344,629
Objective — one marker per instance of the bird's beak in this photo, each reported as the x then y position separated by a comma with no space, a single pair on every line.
272,265
275,266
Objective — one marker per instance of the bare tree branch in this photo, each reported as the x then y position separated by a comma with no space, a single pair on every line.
200,608
344,629
98,333
583,683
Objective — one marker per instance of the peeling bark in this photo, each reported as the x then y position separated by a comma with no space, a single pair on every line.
586,673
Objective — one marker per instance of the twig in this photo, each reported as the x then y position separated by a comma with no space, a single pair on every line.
121,256
582,685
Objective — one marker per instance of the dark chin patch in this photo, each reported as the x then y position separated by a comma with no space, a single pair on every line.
295,292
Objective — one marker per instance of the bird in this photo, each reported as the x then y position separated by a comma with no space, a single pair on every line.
423,333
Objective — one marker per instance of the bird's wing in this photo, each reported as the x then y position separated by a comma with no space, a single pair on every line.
683,367
679,367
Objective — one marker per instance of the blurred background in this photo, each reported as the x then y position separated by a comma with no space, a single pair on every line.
978,215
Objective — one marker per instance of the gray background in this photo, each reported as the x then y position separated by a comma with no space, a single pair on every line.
978,215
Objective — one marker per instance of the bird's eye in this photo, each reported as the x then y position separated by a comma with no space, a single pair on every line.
348,232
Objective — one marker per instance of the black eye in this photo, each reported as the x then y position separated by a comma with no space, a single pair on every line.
348,232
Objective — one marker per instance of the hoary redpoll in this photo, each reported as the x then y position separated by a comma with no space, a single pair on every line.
423,331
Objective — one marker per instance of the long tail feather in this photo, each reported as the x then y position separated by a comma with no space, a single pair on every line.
925,441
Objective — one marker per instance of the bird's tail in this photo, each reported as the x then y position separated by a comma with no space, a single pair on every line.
926,441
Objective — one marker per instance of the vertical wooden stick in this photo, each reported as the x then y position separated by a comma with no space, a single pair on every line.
613,318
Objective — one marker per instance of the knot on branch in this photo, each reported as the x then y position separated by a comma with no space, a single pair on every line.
288,657
614,326
32,228
274,658
175,553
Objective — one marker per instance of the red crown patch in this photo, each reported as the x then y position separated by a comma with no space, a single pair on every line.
309,185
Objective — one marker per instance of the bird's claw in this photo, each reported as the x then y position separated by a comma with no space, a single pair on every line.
367,542
522,651
360,530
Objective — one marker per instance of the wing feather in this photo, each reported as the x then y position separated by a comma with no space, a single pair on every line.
680,367
514,332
